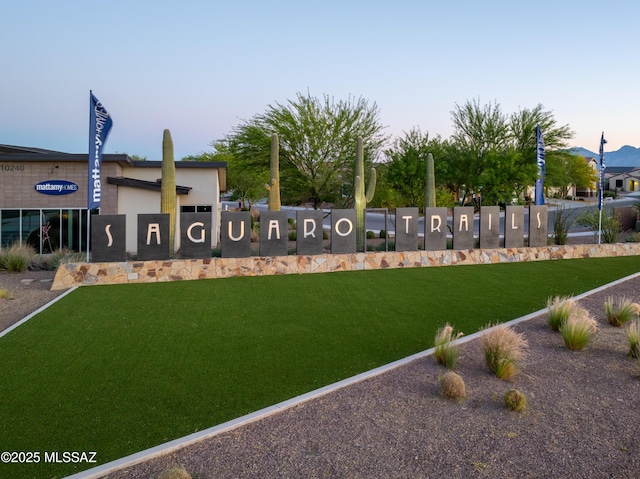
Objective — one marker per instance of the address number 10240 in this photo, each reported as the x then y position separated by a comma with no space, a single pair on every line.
11,167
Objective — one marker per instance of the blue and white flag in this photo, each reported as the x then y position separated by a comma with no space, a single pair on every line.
603,167
539,198
99,125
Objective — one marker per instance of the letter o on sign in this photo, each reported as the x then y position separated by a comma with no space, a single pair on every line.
345,220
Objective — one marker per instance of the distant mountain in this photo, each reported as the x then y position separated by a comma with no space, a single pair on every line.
625,156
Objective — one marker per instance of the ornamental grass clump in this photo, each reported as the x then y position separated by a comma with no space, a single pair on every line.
559,308
633,337
578,330
177,472
452,386
515,400
620,310
504,350
16,258
446,348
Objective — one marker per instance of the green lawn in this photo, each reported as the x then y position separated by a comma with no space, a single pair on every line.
118,369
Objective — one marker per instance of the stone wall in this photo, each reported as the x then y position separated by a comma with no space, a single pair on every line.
84,274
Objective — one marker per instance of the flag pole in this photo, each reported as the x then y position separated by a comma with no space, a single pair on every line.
88,231
600,226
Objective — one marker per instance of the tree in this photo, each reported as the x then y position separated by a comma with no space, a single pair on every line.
497,154
565,170
478,131
406,165
317,144
523,130
247,184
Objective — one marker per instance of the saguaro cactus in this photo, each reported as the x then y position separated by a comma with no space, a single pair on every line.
168,190
360,198
431,183
274,184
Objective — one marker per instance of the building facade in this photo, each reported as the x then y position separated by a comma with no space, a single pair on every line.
43,195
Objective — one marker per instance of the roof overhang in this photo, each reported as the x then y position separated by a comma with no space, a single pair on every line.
144,185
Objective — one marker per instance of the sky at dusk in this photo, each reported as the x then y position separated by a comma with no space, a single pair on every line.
199,68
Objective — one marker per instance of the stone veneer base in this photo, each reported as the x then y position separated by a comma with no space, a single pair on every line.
85,274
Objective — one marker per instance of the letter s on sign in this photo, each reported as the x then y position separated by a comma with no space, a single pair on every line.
107,230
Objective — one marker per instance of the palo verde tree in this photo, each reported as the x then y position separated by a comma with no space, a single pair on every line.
317,138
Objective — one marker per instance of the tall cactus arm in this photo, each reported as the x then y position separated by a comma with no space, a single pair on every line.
168,198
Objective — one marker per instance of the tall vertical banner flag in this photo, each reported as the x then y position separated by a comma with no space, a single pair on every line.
99,125
539,199
602,169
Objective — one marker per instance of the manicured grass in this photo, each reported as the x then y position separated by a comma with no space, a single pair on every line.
117,369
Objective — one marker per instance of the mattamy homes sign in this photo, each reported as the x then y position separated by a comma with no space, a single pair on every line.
108,232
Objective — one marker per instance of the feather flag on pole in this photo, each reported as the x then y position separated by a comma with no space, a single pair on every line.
99,125
540,160
603,167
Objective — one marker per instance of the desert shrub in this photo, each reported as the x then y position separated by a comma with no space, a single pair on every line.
370,234
515,400
325,235
16,258
5,294
293,235
504,349
444,198
634,237
559,308
216,252
291,222
383,233
446,349
177,472
610,224
63,256
633,337
578,330
452,386
379,247
620,310
562,223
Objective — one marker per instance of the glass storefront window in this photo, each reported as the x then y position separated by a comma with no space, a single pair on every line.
44,230
9,227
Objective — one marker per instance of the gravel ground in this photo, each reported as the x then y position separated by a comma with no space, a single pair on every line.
28,292
581,421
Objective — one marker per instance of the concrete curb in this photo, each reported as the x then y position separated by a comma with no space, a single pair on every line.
179,443
27,318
